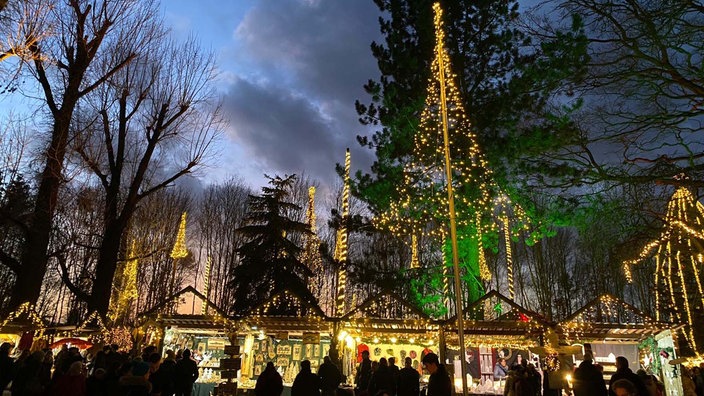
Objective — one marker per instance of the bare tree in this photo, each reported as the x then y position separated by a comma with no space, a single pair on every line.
68,64
151,124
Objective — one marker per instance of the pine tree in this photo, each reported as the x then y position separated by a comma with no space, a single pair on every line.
269,260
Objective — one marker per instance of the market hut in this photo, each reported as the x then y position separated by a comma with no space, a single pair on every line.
611,327
285,329
187,319
494,327
24,328
386,325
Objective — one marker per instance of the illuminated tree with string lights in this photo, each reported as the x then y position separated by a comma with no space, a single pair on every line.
423,205
679,268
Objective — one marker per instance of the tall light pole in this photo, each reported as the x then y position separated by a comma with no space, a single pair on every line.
450,193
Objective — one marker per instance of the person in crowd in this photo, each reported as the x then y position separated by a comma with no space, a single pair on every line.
382,379
72,383
147,352
439,383
185,374
517,383
699,380
500,369
588,380
408,383
269,382
165,374
96,384
533,377
650,385
306,383
624,387
45,368
7,366
472,364
688,388
364,374
27,381
394,369
154,375
135,381
624,372
330,377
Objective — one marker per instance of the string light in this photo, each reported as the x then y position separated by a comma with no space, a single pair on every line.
125,289
179,250
206,286
678,252
341,241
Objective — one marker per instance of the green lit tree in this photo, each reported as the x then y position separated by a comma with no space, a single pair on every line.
269,260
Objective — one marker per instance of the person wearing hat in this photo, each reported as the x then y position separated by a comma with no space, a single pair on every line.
439,383
135,381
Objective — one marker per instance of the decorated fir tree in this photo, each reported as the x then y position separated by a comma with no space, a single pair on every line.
679,267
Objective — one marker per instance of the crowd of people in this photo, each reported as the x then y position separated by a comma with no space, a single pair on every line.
111,372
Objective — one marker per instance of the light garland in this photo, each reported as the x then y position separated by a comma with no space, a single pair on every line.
25,309
179,250
415,263
311,249
341,241
206,286
678,262
125,290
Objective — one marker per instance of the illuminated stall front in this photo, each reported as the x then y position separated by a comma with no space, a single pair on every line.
610,327
387,326
286,329
188,320
494,327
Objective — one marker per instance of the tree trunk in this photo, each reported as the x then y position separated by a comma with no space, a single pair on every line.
105,268
34,259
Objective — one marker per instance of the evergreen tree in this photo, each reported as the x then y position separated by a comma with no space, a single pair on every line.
269,259
506,83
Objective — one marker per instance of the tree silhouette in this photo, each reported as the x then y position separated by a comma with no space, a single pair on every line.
269,259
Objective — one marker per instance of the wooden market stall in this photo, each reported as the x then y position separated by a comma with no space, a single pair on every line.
494,327
286,329
611,327
387,326
188,320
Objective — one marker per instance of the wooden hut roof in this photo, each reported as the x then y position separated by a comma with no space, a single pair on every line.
609,317
166,306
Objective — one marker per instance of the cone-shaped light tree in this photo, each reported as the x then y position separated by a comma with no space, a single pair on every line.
423,208
679,268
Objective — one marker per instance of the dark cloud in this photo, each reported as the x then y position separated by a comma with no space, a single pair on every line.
283,131
295,110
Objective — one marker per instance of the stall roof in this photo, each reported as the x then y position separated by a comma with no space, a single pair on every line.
386,305
388,312
609,317
287,311
164,306
496,314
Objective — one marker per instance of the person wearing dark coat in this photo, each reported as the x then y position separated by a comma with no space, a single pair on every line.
408,380
135,381
7,366
624,372
269,382
382,379
439,383
185,374
364,374
588,380
330,377
165,374
306,383
27,381
394,369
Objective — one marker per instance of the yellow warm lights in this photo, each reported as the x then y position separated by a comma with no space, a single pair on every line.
678,253
206,285
341,240
179,250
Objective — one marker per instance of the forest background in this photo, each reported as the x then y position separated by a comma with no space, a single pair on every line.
588,112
